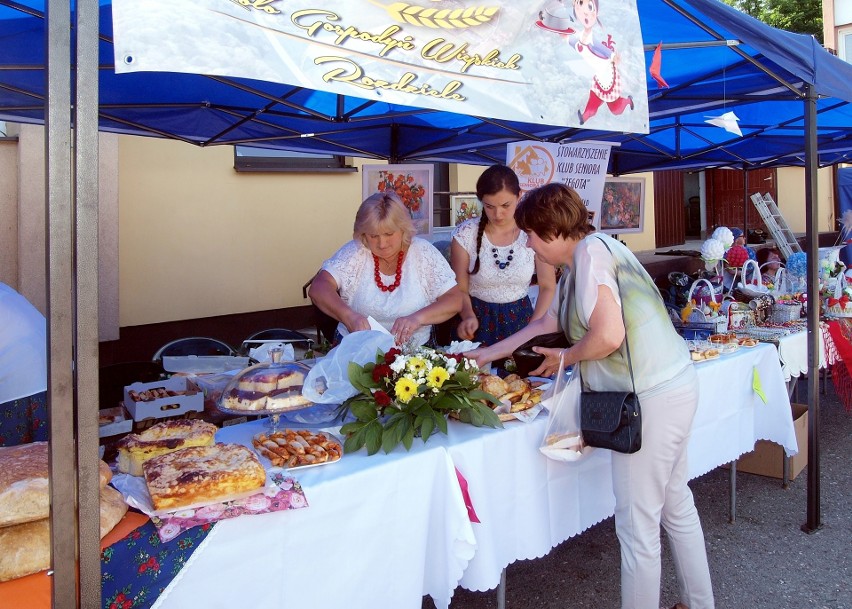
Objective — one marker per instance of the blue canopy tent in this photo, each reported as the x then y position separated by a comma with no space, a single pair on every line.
715,59
793,99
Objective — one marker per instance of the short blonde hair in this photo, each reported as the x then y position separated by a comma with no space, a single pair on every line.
383,210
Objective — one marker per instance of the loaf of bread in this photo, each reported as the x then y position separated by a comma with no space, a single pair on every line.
25,548
162,438
202,474
24,489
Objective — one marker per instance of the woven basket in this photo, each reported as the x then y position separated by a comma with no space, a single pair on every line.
781,313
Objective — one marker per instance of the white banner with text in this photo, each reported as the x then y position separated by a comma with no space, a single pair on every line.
546,62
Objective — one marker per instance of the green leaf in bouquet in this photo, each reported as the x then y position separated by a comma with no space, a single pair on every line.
479,394
364,411
373,432
391,435
355,437
427,426
440,421
489,417
408,438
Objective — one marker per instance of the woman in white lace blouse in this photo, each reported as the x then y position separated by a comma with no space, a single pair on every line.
385,272
494,265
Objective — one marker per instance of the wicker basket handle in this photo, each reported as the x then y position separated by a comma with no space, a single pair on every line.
751,264
709,286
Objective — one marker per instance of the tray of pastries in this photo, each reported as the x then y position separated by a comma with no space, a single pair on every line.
516,394
296,448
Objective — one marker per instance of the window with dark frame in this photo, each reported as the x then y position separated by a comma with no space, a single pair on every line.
252,158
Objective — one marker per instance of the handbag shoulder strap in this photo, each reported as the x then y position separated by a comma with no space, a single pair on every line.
623,320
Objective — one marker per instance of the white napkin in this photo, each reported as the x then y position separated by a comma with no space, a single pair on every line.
462,346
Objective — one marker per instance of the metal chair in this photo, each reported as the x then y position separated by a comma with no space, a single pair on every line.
194,345
280,335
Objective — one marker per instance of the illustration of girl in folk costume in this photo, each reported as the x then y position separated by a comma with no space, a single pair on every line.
602,56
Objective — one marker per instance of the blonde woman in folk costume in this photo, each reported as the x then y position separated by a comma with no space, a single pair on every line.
494,264
387,273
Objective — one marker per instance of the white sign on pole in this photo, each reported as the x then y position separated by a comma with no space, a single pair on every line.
581,165
549,62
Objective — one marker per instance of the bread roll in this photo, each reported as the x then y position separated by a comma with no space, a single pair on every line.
24,492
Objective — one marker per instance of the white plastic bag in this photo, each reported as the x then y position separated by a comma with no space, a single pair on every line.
563,440
328,381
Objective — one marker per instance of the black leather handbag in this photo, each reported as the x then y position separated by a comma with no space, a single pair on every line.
527,360
612,419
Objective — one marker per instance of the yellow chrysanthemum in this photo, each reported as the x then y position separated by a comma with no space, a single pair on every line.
405,389
416,364
437,376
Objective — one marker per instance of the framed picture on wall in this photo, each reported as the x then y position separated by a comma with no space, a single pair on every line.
464,207
413,185
623,206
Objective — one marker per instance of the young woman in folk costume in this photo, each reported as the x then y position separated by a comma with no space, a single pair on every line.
494,265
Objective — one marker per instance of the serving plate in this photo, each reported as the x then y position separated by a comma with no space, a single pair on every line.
281,448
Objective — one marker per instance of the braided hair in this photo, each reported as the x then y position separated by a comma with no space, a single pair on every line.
493,180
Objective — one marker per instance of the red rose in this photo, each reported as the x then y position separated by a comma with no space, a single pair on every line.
390,356
381,371
382,398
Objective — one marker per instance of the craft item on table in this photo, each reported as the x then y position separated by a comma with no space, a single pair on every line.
699,310
712,252
723,234
740,316
736,256
751,285
202,474
135,449
797,268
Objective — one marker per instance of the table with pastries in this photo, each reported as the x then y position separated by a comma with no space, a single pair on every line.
396,526
387,529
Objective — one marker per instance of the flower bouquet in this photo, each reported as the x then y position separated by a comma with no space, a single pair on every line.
406,394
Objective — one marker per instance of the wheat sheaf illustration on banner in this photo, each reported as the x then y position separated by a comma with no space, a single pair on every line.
440,18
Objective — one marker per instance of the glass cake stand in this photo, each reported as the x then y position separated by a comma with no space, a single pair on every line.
262,381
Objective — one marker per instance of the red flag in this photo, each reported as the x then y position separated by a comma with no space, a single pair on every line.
655,67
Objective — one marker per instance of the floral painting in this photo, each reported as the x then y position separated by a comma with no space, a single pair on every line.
464,207
411,183
623,206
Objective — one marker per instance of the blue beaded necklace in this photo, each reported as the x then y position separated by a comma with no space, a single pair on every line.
507,262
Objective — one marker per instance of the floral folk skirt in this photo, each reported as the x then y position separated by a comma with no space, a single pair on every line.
499,320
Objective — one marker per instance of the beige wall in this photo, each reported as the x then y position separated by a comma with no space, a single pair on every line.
791,198
9,212
199,239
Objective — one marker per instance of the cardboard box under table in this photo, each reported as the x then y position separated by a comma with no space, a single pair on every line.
767,458
189,399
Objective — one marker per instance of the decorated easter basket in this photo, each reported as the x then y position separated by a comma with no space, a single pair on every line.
841,304
752,286
696,305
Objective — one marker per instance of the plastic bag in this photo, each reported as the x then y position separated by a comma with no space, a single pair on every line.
328,381
562,438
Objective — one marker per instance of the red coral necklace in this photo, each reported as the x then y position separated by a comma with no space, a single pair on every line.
378,277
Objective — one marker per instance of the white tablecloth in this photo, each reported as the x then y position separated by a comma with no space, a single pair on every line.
380,531
793,353
528,504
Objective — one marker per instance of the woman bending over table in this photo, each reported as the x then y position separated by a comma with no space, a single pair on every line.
387,273
650,485
494,264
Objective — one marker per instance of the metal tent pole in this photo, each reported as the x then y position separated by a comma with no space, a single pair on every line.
814,520
85,231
